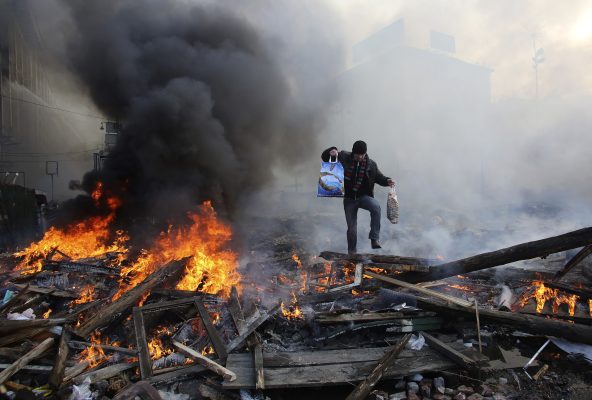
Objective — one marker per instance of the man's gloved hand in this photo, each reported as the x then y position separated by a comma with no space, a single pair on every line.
390,182
334,153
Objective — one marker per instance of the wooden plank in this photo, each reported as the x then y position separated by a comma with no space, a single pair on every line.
259,370
334,374
370,316
59,367
529,323
364,388
377,258
399,267
16,325
447,351
48,291
325,357
177,375
219,346
104,373
20,335
429,292
142,344
24,360
79,345
169,304
251,325
575,260
128,299
206,362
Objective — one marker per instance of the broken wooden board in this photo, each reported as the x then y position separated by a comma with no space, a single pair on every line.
318,368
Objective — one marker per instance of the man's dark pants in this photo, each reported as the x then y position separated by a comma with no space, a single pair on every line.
351,207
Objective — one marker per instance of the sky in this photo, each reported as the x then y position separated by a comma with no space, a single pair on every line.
497,34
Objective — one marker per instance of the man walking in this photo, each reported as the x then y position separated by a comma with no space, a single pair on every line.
360,173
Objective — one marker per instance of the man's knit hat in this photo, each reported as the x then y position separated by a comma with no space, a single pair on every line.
359,147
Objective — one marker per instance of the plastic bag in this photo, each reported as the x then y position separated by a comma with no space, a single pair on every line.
392,206
416,342
331,179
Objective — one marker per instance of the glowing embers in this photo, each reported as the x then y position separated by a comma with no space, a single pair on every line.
212,268
156,347
542,294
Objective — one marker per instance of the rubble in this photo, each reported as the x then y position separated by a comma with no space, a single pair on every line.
311,322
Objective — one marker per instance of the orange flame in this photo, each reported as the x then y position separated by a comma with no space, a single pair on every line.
464,288
211,269
87,294
47,313
293,311
85,239
208,350
157,349
94,354
542,294
590,306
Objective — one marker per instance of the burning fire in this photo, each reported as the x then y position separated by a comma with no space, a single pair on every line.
94,354
157,349
47,313
293,311
87,294
208,350
89,238
463,288
542,293
302,272
211,269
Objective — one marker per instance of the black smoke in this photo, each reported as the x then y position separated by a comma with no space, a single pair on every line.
207,109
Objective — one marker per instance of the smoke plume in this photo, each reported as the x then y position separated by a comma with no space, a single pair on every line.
207,104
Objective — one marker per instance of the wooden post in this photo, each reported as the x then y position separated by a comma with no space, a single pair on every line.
59,367
219,346
142,344
364,388
259,370
444,349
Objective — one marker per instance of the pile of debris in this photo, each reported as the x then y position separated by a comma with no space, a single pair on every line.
388,327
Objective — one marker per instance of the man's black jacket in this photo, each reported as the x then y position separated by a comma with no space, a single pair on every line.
373,174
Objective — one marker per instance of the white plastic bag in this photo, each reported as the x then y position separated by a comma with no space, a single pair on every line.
392,206
416,342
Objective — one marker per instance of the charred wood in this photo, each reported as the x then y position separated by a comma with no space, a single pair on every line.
59,368
206,362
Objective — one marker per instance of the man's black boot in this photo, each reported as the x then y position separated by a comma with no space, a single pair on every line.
375,244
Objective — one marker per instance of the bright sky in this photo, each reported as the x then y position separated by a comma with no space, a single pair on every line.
498,34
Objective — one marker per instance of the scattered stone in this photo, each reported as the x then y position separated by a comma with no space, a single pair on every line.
468,390
398,396
460,396
498,396
378,395
449,391
485,390
416,378
475,396
439,385
503,381
425,389
439,396
412,387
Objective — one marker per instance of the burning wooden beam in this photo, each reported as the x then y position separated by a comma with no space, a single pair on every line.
376,258
524,251
128,299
